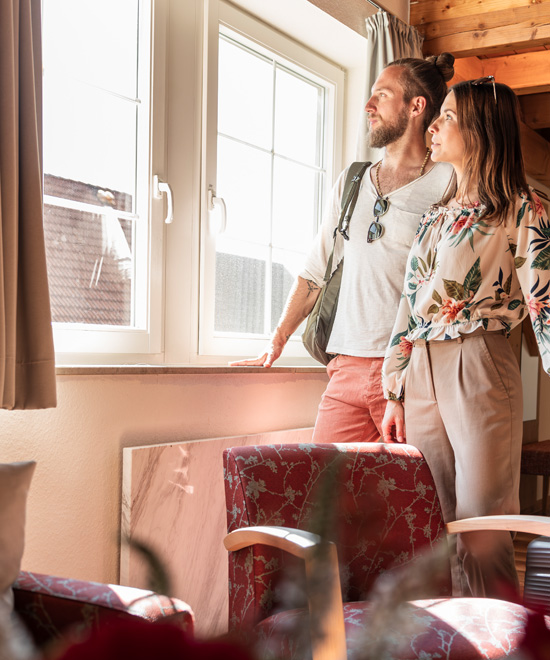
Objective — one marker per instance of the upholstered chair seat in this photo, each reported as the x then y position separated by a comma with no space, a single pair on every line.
374,509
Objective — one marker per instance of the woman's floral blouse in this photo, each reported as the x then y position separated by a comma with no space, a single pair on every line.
464,273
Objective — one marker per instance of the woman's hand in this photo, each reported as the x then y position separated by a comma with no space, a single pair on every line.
393,424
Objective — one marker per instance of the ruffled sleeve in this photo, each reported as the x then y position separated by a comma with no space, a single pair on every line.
398,353
529,237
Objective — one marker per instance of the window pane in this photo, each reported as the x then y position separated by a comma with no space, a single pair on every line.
244,181
94,41
90,266
245,95
295,207
284,270
89,136
240,292
298,112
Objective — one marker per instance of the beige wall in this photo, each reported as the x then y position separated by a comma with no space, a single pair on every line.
73,517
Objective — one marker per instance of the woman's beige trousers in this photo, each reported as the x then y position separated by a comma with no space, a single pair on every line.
463,410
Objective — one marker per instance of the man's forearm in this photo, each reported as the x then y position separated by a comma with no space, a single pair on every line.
299,304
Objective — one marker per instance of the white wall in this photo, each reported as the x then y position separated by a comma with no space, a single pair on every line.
73,517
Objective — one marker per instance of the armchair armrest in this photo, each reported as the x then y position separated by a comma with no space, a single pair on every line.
50,605
512,523
324,596
296,541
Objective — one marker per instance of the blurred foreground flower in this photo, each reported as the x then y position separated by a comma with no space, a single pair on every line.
143,640
536,643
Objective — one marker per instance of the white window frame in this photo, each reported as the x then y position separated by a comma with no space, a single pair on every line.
81,343
282,49
183,102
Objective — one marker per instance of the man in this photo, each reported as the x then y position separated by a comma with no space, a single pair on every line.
405,99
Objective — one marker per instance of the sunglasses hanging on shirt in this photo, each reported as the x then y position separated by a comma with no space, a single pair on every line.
382,204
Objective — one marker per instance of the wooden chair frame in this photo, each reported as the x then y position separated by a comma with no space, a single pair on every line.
329,642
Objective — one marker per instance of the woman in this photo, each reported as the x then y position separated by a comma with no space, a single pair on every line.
479,263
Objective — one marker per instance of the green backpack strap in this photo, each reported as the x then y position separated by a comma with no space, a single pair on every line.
349,198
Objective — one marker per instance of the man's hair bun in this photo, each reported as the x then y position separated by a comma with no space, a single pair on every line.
444,64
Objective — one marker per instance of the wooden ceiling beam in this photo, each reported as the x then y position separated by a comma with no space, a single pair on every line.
468,28
525,74
536,110
432,11
467,68
487,42
527,15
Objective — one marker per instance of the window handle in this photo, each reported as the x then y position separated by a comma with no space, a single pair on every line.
214,201
160,187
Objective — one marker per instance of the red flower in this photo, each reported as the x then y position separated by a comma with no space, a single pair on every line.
462,222
539,208
535,306
451,308
405,346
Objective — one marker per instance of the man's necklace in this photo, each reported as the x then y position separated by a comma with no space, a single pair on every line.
377,182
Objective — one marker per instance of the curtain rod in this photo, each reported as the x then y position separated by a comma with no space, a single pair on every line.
375,5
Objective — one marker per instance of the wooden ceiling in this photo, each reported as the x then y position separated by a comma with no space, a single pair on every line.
507,38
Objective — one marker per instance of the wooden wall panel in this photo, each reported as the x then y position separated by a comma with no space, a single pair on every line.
468,27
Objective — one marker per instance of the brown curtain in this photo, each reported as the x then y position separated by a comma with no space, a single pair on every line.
27,362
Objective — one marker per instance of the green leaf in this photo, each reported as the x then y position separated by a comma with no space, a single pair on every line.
519,261
497,305
485,323
508,284
514,303
433,309
472,282
521,213
424,267
438,299
414,263
454,289
513,249
542,262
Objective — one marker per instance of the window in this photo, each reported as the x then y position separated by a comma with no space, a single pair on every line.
131,89
274,145
96,171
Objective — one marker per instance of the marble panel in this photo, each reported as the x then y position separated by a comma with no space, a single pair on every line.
173,500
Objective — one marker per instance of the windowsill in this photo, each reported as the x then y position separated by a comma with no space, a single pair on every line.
145,369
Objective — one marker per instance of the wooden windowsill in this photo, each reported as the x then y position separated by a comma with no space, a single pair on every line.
145,369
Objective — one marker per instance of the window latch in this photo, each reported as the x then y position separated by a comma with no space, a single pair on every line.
160,187
214,201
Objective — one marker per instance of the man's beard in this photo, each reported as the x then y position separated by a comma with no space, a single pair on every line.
385,134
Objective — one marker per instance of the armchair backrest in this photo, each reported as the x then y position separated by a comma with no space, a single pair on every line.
376,501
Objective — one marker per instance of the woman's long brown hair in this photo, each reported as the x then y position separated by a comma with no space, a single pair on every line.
493,161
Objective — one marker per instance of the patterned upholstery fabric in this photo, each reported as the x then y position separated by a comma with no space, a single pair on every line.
378,502
50,605
450,628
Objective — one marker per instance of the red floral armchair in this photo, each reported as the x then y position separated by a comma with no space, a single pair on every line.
51,606
377,506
